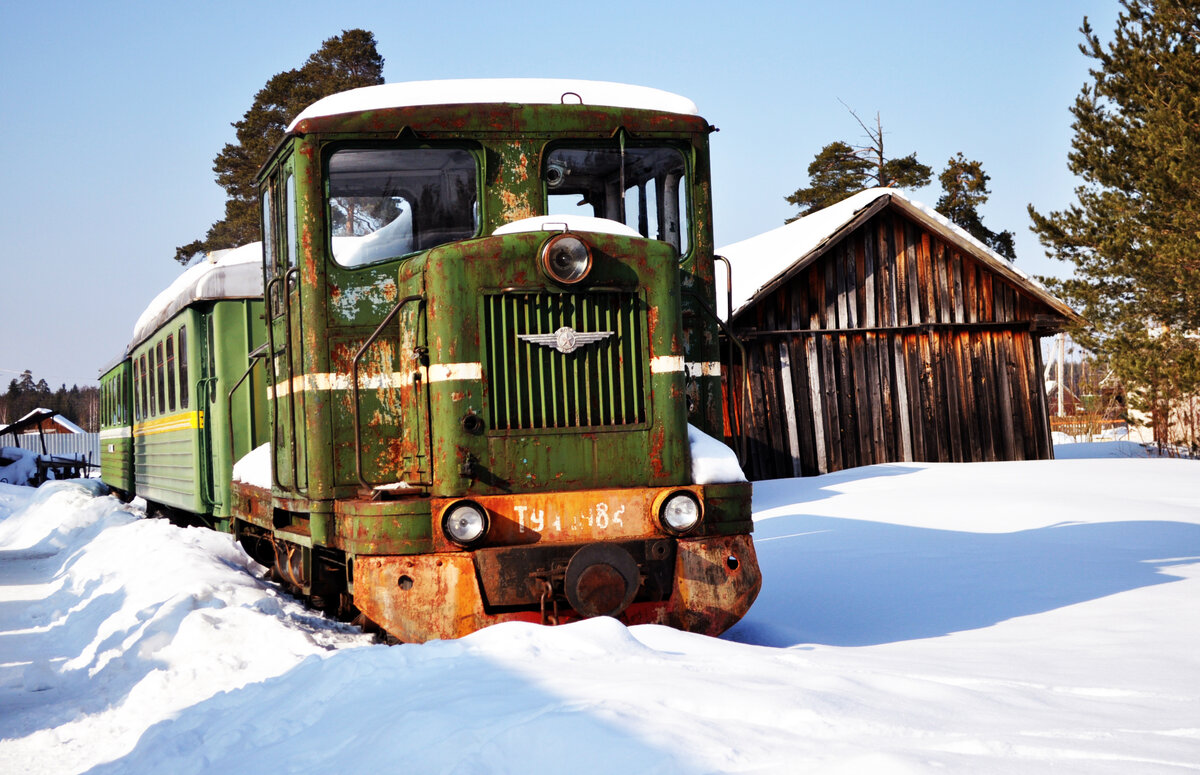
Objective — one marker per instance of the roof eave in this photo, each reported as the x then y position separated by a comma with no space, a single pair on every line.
991,259
801,263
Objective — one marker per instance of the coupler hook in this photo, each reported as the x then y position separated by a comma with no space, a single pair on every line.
548,592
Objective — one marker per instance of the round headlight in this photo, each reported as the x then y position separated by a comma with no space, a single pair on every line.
465,523
680,512
566,259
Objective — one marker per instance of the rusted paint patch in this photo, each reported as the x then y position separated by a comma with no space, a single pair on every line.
420,597
310,259
515,207
251,504
400,452
342,356
658,440
373,299
717,580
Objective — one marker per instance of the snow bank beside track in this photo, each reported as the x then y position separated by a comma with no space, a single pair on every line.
1000,618
109,623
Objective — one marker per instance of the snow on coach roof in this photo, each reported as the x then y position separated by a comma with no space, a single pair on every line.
225,274
518,91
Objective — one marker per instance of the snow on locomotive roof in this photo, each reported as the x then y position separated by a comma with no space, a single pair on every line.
520,91
225,274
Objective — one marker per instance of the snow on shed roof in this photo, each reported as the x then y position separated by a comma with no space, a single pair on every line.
35,418
225,274
520,91
763,262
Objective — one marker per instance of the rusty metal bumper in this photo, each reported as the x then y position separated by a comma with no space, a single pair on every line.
423,597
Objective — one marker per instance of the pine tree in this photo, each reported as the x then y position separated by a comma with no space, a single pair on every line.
841,169
965,190
343,62
1133,234
8,402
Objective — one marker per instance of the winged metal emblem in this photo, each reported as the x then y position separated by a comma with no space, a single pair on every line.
565,339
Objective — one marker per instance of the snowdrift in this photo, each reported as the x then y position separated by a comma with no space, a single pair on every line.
1006,617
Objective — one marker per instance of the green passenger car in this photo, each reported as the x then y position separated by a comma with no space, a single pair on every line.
190,350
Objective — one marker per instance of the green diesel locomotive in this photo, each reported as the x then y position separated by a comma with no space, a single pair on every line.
483,328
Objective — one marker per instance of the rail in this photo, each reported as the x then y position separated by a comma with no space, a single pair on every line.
354,387
736,428
287,323
254,356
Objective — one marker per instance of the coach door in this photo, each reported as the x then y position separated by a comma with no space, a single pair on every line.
207,392
282,300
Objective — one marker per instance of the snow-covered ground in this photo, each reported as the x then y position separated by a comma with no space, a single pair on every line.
972,618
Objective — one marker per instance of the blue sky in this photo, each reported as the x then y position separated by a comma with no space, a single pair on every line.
113,112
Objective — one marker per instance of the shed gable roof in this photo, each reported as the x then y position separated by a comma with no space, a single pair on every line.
764,262
35,418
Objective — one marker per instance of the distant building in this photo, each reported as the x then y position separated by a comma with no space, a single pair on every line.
877,331
51,422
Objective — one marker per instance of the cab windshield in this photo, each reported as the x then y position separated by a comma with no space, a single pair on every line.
638,186
389,202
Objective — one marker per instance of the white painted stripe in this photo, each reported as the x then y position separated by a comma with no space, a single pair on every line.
704,368
335,381
666,364
125,432
441,372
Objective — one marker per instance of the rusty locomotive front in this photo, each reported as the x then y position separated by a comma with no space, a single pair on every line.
488,331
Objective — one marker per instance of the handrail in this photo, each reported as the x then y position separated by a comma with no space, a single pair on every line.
354,384
272,376
741,417
208,487
728,317
287,322
728,286
254,358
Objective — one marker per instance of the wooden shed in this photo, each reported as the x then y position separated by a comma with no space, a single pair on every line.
877,331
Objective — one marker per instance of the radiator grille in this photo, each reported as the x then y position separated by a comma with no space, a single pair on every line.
534,386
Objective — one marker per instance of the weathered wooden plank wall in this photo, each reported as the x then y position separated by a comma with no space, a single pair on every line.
892,346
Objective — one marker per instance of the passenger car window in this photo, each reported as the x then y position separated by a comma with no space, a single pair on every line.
158,370
171,373
183,371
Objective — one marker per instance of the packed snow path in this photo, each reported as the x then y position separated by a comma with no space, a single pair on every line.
1005,617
